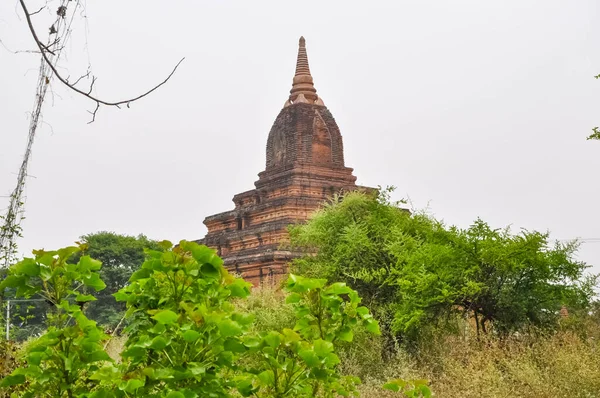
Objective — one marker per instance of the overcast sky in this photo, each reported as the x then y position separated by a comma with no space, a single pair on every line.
471,108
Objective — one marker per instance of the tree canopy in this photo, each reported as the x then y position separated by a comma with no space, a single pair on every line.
121,256
416,271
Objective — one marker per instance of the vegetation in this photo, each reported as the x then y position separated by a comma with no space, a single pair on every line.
186,338
476,312
564,362
417,274
120,255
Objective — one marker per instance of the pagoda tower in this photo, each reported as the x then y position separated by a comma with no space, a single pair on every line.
304,167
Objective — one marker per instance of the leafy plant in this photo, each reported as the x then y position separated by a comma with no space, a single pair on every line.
185,337
415,273
184,333
409,388
302,362
61,361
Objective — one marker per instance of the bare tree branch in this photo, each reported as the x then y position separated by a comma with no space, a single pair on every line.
38,11
88,95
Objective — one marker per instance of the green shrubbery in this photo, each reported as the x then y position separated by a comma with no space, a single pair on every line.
186,337
417,274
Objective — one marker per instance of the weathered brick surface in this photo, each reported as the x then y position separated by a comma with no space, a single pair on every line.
304,167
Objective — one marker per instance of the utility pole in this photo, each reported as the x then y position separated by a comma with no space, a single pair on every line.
7,320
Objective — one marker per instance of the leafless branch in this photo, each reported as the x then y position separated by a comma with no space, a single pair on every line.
81,77
38,11
98,101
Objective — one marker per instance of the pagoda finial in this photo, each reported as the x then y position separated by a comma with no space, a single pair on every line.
303,81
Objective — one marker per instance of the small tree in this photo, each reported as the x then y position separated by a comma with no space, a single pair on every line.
414,271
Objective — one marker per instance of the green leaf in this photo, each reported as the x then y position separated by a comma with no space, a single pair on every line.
94,282
346,334
11,281
323,348
392,386
309,357
131,385
175,394
267,377
228,328
373,327
86,264
239,288
190,336
293,298
290,336
142,273
27,266
12,380
338,288
166,317
273,339
82,298
234,345
209,271
158,343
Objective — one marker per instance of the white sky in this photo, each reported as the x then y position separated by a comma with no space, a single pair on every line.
472,108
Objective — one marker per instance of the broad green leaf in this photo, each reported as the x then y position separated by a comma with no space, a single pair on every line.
27,266
190,336
293,298
142,273
94,282
338,288
373,327
309,357
209,270
166,317
346,334
11,281
158,343
82,298
86,264
234,345
228,328
131,385
12,380
273,339
323,348
239,288
267,377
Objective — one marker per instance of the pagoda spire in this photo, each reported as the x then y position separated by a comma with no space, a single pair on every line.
303,89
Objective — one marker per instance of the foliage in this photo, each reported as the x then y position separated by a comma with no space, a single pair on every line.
121,256
183,332
414,269
60,362
185,336
302,362
410,388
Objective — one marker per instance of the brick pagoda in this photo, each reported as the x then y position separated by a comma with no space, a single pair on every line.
305,166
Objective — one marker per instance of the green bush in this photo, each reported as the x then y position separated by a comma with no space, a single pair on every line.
185,337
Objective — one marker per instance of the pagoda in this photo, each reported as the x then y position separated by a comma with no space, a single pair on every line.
304,167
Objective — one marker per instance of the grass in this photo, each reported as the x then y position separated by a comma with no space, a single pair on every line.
565,363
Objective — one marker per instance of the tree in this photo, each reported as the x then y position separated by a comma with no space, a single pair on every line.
414,272
121,256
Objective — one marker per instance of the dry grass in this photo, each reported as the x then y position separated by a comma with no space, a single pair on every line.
562,365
